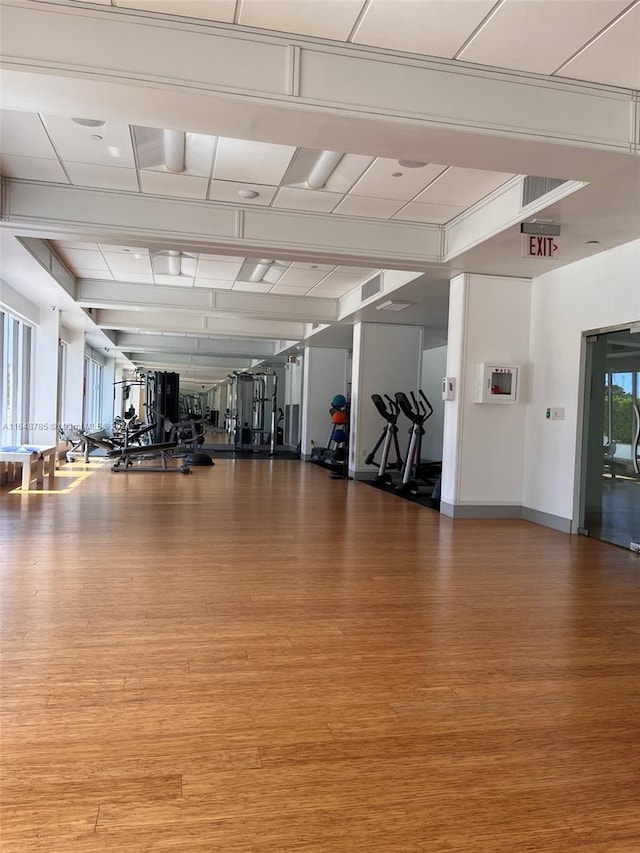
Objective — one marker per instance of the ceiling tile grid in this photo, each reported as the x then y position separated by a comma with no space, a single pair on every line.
540,36
90,152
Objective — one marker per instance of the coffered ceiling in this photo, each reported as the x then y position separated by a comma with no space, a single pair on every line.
238,253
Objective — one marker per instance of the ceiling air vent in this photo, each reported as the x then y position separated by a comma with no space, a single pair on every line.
371,287
534,188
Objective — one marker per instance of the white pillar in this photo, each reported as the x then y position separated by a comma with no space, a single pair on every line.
324,376
73,377
484,443
292,402
44,405
434,367
108,391
386,358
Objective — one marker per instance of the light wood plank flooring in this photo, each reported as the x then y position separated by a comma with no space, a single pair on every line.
257,658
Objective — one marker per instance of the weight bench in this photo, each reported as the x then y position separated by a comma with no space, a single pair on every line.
126,456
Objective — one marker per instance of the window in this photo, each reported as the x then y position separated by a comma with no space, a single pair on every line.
15,379
93,373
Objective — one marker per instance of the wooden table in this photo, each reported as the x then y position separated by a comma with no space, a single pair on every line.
42,455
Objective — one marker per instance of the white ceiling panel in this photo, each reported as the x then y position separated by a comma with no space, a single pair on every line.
120,262
431,27
376,208
342,281
32,168
73,142
181,186
107,247
225,270
97,274
302,265
24,135
225,258
174,280
251,162
105,177
614,58
209,10
347,172
305,279
84,259
69,244
283,290
214,284
294,198
462,187
329,19
434,213
253,286
134,277
228,191
379,181
538,35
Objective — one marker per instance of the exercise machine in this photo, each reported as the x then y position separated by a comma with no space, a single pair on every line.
388,438
254,417
127,459
418,477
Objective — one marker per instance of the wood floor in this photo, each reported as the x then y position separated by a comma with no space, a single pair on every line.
256,658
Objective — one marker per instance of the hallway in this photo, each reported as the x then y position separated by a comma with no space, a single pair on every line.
257,658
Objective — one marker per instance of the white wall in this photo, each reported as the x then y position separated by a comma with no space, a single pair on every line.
324,376
292,398
591,294
434,366
44,398
483,461
73,379
386,358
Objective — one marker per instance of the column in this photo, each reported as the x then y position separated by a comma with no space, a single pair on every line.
484,443
44,406
73,377
386,358
324,376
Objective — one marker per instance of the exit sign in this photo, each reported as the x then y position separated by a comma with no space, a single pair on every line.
536,246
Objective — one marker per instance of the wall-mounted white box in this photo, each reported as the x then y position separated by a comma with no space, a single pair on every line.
497,383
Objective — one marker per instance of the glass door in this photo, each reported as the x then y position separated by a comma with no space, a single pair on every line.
611,459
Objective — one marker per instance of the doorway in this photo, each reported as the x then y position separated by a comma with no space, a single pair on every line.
610,506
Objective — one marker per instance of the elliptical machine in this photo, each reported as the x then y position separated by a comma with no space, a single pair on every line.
414,469
389,436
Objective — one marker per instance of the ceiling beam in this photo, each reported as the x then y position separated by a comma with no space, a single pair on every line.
182,359
232,81
99,293
58,210
219,347
193,322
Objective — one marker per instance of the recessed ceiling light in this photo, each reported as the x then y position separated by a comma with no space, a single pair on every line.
248,194
95,137
89,122
397,174
593,242
411,164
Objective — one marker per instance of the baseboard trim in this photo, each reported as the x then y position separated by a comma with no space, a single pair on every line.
546,519
481,510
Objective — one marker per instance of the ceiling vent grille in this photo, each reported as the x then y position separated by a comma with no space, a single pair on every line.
371,287
534,188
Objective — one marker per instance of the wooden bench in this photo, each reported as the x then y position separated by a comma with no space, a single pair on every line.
43,456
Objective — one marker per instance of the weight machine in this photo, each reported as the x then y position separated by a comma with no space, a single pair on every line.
254,416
